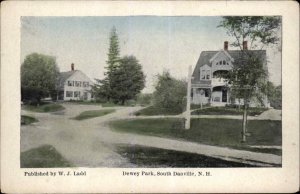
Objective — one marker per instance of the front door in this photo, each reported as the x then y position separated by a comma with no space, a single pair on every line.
224,95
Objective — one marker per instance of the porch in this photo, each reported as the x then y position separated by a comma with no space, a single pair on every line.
216,96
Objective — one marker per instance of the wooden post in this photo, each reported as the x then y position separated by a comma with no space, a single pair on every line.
188,101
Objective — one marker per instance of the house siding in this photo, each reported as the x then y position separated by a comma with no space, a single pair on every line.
84,92
219,89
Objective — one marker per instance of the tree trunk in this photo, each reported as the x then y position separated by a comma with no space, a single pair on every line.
123,101
244,122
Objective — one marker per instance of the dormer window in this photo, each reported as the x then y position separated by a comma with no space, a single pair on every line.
205,74
222,62
208,74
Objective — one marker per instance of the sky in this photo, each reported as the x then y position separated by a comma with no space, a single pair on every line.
158,42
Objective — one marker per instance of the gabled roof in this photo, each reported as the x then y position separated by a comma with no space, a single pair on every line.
221,51
63,76
205,56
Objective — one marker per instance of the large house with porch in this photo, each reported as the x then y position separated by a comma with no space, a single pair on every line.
74,85
208,87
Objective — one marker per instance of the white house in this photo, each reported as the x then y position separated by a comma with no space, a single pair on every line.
74,85
208,86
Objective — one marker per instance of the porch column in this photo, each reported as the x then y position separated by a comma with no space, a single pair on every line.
211,97
194,95
228,96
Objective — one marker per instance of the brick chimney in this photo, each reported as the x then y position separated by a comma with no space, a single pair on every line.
226,45
245,46
72,66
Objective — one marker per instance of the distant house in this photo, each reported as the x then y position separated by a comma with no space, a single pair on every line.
74,85
208,86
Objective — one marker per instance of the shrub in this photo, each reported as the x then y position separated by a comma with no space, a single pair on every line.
170,93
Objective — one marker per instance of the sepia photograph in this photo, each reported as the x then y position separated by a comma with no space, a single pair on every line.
151,91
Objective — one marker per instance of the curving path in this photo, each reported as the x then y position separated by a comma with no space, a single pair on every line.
90,143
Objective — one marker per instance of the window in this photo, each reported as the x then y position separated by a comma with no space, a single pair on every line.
69,94
85,84
77,94
203,74
222,62
78,83
70,83
207,74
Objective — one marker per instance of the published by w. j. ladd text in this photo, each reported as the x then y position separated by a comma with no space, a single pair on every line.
56,173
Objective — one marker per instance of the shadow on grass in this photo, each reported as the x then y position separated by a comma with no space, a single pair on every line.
153,110
44,108
218,132
156,158
26,120
45,156
252,111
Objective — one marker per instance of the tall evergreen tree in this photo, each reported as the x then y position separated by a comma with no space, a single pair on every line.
124,77
113,51
102,89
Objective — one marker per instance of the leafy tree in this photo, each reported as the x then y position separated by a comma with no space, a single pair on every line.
248,77
39,75
124,77
100,90
127,80
169,93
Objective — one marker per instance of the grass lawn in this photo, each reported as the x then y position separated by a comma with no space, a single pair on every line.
198,106
26,120
93,113
219,132
44,108
45,156
152,110
109,104
84,102
106,104
148,157
228,111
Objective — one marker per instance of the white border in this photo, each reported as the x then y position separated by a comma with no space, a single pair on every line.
285,179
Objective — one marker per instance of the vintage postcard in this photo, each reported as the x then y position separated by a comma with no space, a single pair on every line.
150,96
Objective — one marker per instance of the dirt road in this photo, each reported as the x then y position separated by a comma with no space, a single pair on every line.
90,142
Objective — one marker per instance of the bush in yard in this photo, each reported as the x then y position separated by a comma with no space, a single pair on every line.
144,99
276,97
170,93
